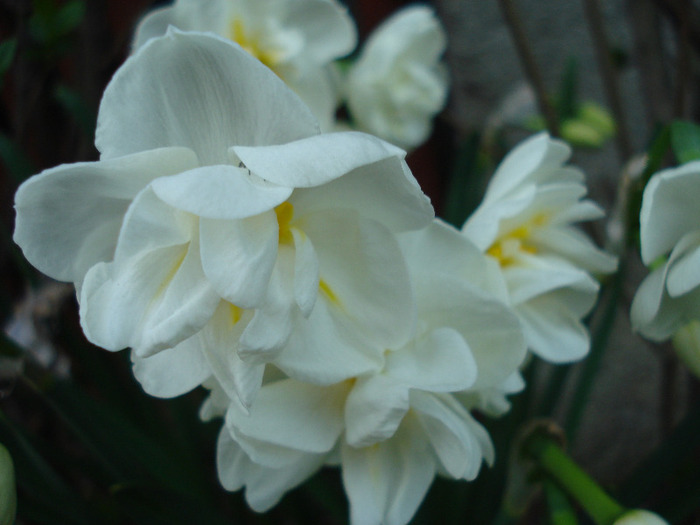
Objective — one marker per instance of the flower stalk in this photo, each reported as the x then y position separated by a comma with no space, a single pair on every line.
557,465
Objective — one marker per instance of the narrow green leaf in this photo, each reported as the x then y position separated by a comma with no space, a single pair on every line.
8,490
685,141
464,191
567,103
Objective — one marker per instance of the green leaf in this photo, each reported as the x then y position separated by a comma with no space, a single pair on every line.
567,104
8,490
685,141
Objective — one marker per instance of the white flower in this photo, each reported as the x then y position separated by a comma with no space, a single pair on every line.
297,39
398,425
397,85
669,222
216,218
640,517
526,224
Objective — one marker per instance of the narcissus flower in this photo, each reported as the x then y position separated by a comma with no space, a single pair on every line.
297,39
526,224
217,203
669,226
398,84
392,428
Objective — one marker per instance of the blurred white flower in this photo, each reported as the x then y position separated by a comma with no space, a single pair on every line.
526,224
216,204
640,517
297,39
669,222
392,428
398,84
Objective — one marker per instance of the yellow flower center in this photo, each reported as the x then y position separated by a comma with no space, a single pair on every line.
285,213
328,292
250,42
235,313
506,249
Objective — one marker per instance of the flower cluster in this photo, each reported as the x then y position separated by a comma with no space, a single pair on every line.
301,277
393,89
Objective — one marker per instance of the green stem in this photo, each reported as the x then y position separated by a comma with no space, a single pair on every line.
560,509
572,479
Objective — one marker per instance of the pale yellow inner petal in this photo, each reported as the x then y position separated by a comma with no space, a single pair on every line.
251,42
507,248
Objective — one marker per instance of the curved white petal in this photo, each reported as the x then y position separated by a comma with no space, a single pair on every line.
439,361
384,191
326,348
669,209
387,482
361,264
174,371
536,160
68,217
220,346
457,439
315,160
490,328
220,192
684,265
291,414
265,486
199,91
306,278
150,302
552,330
374,410
238,256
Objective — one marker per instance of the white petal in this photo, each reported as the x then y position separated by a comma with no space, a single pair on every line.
489,327
198,91
326,348
315,160
265,486
684,265
174,371
452,434
151,224
575,246
552,331
374,409
220,345
269,329
534,160
361,263
440,361
291,414
150,302
68,218
220,192
669,209
385,191
534,276
387,482
238,257
306,279
328,29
